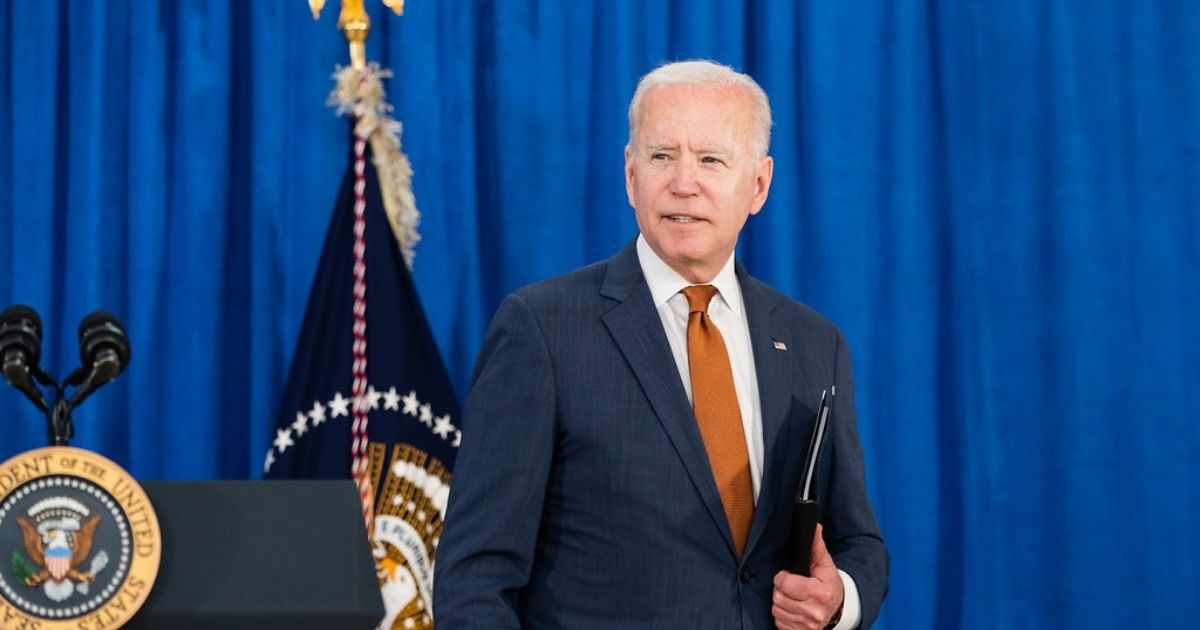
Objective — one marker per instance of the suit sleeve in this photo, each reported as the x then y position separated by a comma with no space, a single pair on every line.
852,533
486,550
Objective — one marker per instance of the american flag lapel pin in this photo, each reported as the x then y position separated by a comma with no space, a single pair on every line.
779,345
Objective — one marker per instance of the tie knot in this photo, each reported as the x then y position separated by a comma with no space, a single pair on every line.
698,297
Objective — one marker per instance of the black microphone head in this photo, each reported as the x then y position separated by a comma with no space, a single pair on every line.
20,351
101,337
20,311
21,330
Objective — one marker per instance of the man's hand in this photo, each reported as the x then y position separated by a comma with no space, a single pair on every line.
808,603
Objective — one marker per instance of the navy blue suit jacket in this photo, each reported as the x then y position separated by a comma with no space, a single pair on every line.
583,496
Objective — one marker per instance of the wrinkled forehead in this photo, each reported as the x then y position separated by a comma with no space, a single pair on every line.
719,114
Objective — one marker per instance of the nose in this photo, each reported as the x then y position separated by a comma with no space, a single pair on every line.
683,179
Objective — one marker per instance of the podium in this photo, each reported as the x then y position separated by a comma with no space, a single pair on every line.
261,554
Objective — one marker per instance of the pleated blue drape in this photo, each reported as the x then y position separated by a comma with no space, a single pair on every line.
1000,205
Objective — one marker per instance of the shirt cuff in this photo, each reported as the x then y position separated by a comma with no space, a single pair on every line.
851,606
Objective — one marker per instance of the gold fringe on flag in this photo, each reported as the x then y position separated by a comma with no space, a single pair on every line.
360,93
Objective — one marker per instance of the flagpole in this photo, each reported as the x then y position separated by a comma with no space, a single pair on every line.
400,459
355,25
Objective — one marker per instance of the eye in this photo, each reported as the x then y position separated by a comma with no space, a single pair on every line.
658,156
709,159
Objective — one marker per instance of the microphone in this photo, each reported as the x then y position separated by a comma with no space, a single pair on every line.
20,351
104,352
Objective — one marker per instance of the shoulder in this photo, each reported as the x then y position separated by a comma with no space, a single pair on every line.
583,282
597,285
559,305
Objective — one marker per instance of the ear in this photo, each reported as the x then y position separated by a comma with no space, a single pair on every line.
629,174
762,183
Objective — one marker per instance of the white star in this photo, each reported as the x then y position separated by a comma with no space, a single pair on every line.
410,403
269,462
427,415
373,397
391,400
443,427
283,439
457,439
339,406
317,413
301,424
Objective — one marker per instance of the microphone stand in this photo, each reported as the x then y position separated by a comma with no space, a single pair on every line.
103,345
59,422
59,427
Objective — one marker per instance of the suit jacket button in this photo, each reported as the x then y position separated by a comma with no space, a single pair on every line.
744,576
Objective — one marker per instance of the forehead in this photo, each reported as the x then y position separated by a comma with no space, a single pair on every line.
692,113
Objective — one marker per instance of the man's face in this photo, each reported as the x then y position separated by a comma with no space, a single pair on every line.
692,177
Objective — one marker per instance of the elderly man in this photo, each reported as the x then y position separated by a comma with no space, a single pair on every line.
635,430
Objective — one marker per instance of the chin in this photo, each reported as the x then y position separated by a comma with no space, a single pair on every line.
686,255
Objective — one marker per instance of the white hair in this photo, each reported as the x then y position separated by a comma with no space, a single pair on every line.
701,72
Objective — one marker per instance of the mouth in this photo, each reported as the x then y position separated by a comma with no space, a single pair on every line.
683,218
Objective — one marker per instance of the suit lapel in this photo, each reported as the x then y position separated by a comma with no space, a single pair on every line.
635,326
778,381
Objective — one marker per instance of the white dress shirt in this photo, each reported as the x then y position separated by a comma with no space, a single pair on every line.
728,312
729,315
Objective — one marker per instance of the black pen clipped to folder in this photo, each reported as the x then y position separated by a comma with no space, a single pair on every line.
806,510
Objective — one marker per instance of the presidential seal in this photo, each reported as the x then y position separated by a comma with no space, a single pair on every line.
79,542
409,508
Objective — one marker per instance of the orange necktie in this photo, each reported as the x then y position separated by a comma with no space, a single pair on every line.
715,404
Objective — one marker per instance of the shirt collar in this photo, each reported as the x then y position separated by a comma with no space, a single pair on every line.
664,282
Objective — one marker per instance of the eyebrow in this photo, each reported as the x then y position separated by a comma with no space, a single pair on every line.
712,149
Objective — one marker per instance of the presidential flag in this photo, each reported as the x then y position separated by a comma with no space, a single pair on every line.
368,396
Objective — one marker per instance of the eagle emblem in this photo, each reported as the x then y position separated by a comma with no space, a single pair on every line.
58,534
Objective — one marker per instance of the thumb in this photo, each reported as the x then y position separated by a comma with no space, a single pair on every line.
820,555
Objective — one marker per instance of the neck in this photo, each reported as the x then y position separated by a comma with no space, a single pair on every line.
697,274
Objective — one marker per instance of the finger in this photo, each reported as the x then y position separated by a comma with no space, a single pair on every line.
793,592
781,579
818,546
784,619
785,603
791,586
820,555
806,618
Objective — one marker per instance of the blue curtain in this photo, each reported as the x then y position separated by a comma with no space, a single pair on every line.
1000,205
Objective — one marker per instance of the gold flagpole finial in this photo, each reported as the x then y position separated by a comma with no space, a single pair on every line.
359,91
397,6
315,6
355,25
